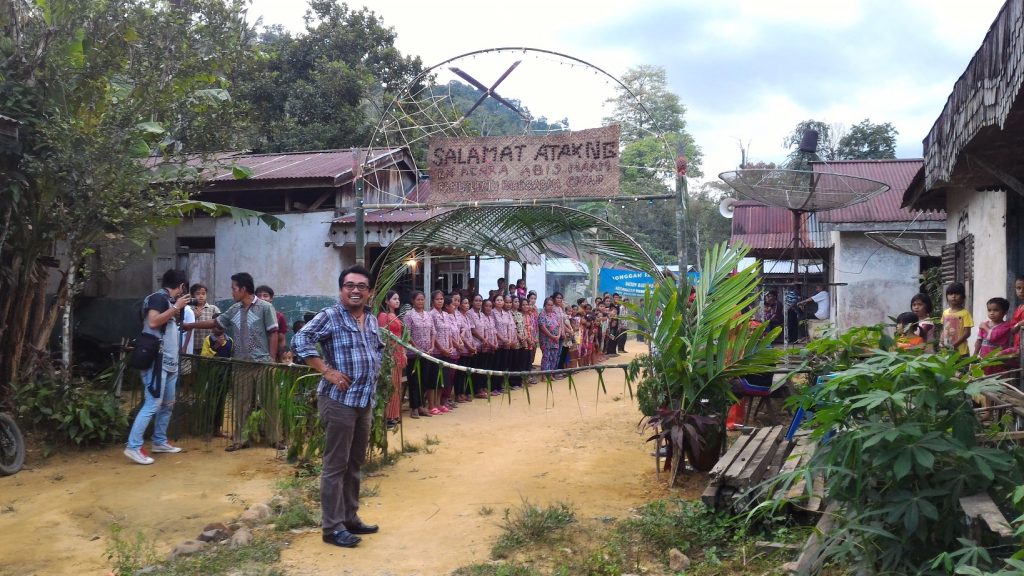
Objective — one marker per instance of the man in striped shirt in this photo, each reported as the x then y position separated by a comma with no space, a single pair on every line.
347,334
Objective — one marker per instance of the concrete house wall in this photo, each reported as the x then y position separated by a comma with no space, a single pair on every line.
879,281
983,214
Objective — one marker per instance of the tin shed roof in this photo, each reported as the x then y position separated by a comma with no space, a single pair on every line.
885,207
329,166
770,228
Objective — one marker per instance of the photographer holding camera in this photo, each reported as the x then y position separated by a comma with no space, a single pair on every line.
160,313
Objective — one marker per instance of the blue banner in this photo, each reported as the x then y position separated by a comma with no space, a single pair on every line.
628,283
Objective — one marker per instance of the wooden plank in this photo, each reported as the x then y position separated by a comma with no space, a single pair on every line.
775,466
730,455
710,496
736,468
981,507
754,470
804,446
999,437
817,494
810,558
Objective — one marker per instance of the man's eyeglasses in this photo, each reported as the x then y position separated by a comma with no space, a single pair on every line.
353,286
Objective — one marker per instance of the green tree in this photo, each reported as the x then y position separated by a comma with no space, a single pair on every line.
653,127
867,141
492,118
98,87
828,139
323,88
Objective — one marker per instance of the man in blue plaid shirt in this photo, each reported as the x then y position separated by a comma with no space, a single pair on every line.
347,334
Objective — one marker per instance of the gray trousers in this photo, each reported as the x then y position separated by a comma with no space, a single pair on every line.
347,434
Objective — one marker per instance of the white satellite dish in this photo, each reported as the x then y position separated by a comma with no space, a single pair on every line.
727,207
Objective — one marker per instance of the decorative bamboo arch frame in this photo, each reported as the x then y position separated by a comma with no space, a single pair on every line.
513,232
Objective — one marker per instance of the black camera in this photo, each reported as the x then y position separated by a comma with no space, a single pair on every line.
193,302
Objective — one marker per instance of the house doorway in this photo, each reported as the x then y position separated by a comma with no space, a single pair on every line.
196,256
450,275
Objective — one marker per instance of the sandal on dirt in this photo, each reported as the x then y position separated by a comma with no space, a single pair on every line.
414,414
237,446
435,412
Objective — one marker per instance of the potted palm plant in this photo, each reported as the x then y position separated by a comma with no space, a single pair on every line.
699,345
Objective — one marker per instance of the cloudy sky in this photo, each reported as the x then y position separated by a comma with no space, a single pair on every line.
747,70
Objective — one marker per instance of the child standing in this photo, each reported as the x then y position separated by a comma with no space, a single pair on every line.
217,344
908,332
994,334
1017,322
956,321
921,306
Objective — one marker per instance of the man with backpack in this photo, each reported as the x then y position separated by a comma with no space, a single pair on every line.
160,319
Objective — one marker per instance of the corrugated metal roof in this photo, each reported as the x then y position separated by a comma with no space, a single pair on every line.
392,216
885,207
771,228
328,165
565,266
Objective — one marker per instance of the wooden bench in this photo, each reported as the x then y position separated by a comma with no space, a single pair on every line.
985,519
745,464
760,456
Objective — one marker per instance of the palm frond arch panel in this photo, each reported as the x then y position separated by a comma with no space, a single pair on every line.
517,233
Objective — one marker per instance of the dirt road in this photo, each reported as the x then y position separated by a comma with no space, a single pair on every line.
582,450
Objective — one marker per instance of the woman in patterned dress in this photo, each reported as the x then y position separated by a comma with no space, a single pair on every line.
443,350
388,318
520,349
550,325
467,356
449,311
504,327
420,374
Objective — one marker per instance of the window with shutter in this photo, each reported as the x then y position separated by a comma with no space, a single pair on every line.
958,266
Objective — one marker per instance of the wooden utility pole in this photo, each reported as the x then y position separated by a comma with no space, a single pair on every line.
357,182
682,205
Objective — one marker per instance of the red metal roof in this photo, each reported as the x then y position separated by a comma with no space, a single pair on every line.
770,228
392,216
328,165
886,206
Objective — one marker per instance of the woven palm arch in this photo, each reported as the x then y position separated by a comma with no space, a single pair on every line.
518,233
519,228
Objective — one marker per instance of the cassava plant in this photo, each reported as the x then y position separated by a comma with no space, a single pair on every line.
899,448
699,346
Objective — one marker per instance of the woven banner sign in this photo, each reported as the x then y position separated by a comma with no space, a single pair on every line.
582,164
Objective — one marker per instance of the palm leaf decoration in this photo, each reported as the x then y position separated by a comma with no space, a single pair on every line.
519,233
698,348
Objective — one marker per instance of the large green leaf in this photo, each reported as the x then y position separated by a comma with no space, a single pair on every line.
238,214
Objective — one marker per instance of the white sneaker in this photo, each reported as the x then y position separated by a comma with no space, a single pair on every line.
167,448
137,455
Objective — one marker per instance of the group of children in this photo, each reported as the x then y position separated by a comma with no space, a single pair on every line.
996,334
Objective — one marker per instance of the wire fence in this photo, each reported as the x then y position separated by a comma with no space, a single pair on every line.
276,404
258,403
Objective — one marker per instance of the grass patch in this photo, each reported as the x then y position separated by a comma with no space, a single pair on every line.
411,448
129,554
431,440
486,511
553,541
369,491
382,461
254,560
495,570
297,503
530,524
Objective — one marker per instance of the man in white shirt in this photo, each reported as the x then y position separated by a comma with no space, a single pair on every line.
822,299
